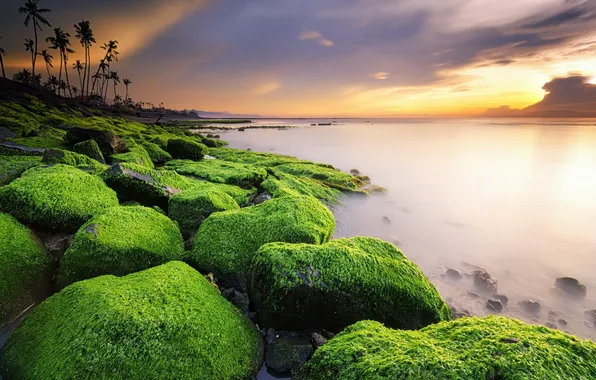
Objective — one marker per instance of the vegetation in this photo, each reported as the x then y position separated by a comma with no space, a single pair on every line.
58,156
24,268
467,348
11,167
329,176
34,16
120,241
331,286
58,198
246,176
256,158
156,153
280,184
136,155
186,149
90,149
167,322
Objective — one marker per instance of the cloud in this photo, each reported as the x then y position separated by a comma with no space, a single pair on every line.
266,88
573,93
381,75
316,36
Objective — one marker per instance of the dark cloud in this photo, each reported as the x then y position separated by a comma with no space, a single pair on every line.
582,13
572,93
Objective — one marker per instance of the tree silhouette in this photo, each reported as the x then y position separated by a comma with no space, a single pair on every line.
61,42
48,59
74,89
34,16
115,79
85,36
126,83
111,53
30,47
23,76
2,54
78,66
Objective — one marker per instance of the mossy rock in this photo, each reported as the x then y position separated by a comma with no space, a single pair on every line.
59,198
257,158
227,241
189,208
90,149
331,286
213,143
218,171
161,141
281,184
157,154
329,176
136,155
11,167
107,141
149,187
241,196
10,148
467,348
120,241
166,322
58,156
25,268
40,142
186,149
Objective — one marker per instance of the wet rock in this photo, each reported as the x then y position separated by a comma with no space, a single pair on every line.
387,220
571,287
327,334
530,306
587,324
473,295
503,298
108,142
453,274
240,300
562,322
317,340
262,197
591,315
484,282
57,244
355,171
6,133
457,313
494,305
286,355
510,340
21,149
270,335
551,325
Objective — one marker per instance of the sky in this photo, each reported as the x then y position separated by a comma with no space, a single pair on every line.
337,58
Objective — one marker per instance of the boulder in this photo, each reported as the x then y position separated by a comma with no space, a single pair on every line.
218,171
58,156
9,148
286,355
530,306
501,297
281,184
157,154
186,149
330,286
453,274
120,241
59,198
467,348
227,241
571,287
136,155
494,305
57,244
329,176
25,269
90,149
166,322
238,299
108,142
484,282
11,167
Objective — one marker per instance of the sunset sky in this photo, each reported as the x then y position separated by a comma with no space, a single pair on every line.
331,57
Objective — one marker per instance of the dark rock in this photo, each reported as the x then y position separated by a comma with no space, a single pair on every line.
254,317
473,295
494,305
562,322
57,244
551,325
262,197
108,142
387,220
18,149
270,335
591,315
453,274
503,298
355,171
327,334
510,340
530,306
286,355
571,287
240,300
6,133
484,282
317,340
456,313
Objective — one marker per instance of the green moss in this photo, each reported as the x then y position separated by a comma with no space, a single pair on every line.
331,286
218,171
11,167
186,149
136,155
58,198
24,268
213,143
241,196
58,156
90,149
161,141
256,158
40,142
157,154
280,184
329,176
167,322
467,348
227,241
189,208
19,119
120,241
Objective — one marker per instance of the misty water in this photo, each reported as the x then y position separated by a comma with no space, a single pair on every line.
515,197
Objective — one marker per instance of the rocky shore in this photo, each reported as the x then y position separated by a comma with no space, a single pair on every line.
167,255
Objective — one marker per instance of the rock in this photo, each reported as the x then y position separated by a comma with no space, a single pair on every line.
59,198
241,129
136,154
189,208
219,171
58,156
281,184
10,148
6,133
240,300
453,274
311,287
355,172
156,153
587,324
591,315
501,297
108,142
57,244
473,347
530,306
11,167
387,220
289,219
456,313
551,325
25,269
317,340
287,355
562,322
572,287
166,322
186,149
120,241
328,334
484,282
90,149
473,295
262,197
270,335
328,176
494,305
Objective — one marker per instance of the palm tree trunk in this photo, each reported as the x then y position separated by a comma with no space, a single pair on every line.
88,69
80,79
48,68
2,64
114,90
107,85
126,96
66,72
35,53
60,75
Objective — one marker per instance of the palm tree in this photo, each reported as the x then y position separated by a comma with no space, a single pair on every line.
111,52
48,59
60,41
23,76
116,79
85,36
34,14
54,82
29,46
78,66
2,54
74,89
126,83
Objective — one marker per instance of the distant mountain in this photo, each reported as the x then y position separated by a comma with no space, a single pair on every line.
224,115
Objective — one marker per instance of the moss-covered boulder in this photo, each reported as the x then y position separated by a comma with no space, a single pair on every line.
467,348
58,156
120,241
257,158
157,154
218,171
281,184
90,149
60,197
329,176
10,148
167,322
136,155
186,149
108,142
24,268
189,208
331,286
147,186
11,167
227,241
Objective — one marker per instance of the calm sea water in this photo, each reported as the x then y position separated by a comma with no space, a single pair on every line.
515,197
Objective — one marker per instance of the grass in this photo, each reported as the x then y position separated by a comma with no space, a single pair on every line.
168,322
120,241
331,286
218,171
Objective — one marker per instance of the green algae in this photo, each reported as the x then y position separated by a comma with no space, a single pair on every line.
136,155
58,156
157,154
90,149
256,158
167,322
246,176
329,176
186,149
280,184
11,167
